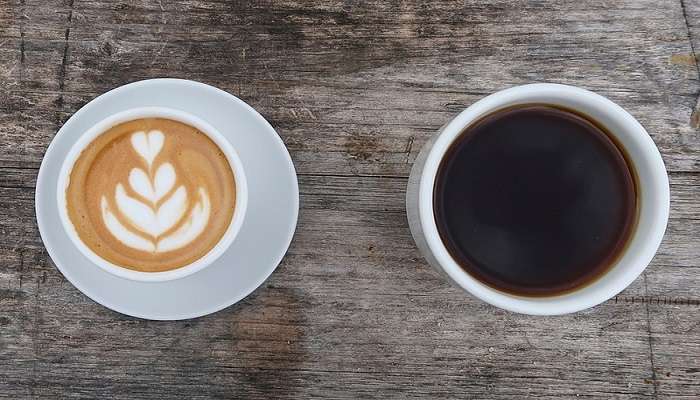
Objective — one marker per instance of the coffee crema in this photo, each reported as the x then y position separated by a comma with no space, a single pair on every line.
151,195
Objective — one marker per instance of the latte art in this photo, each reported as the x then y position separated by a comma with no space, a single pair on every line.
162,212
151,195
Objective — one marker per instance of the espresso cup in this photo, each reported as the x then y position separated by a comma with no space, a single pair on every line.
241,192
652,198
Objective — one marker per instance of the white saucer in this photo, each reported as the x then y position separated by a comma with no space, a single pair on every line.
257,250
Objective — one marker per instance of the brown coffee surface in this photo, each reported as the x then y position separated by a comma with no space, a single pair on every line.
151,195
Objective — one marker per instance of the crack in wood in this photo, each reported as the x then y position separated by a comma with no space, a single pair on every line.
695,114
62,70
4,186
658,300
35,340
21,43
21,266
403,178
409,147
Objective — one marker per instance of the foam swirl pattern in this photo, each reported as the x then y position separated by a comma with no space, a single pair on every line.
151,194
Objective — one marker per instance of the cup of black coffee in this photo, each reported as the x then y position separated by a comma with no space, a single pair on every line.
540,199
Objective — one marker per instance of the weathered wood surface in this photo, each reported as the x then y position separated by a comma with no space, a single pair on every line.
354,89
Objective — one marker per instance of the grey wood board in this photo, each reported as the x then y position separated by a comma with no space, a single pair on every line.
354,89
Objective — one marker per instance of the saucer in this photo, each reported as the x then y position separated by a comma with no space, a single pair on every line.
257,250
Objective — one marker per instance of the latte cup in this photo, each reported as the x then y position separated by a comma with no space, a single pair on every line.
241,191
652,198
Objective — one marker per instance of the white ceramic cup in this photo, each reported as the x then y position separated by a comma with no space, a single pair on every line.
652,197
154,112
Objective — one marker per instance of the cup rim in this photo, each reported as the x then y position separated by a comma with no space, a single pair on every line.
605,286
240,207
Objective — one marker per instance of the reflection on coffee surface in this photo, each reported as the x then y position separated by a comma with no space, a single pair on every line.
151,195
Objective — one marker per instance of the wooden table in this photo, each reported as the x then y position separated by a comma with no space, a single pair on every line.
354,89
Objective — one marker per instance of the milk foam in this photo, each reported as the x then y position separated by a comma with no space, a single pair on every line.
161,218
148,145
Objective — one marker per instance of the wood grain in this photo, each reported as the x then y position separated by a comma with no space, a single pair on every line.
354,89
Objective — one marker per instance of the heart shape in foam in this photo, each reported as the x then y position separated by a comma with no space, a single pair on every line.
163,182
152,220
148,145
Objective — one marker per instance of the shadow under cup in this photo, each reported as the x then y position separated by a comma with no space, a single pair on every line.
643,160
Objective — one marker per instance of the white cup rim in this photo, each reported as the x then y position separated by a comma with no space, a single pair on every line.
241,202
653,197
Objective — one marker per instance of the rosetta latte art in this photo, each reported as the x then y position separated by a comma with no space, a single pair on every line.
151,194
161,214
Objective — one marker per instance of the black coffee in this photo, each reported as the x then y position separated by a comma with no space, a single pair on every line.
535,200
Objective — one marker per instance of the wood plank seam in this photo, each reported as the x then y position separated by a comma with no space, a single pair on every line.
654,380
657,300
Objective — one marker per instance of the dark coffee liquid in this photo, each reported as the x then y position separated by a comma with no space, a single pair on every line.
535,200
